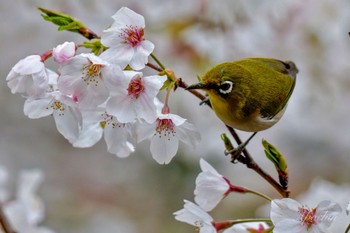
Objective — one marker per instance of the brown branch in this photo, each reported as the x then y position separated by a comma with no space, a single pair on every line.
245,156
157,68
88,34
5,225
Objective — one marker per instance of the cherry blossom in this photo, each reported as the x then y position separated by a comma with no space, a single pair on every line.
116,135
251,227
132,96
82,77
28,76
63,52
26,211
165,134
194,215
64,109
289,215
211,187
125,39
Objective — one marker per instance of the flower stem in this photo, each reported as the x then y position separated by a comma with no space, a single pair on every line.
245,156
237,221
150,65
157,61
5,225
259,194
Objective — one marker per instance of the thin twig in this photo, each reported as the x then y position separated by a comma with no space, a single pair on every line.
5,225
150,65
246,158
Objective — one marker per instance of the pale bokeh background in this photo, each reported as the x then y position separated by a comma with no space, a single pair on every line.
89,190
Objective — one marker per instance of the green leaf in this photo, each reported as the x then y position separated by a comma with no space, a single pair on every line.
95,46
63,21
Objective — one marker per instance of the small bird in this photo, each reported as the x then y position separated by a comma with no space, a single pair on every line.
249,94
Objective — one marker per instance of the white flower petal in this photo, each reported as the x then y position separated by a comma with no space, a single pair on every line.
210,190
191,214
67,123
119,55
188,134
29,65
116,140
164,148
146,109
91,131
37,108
285,208
122,107
205,166
144,131
289,225
124,17
142,52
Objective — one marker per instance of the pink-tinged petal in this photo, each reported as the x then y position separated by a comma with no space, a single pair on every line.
164,148
29,65
124,17
68,123
37,108
188,134
142,52
70,80
119,55
63,52
116,140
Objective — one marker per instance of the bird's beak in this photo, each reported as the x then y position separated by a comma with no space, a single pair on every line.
198,86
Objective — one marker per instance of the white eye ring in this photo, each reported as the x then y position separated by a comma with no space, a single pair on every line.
227,90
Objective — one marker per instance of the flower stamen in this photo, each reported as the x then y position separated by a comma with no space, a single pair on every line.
132,35
165,127
135,87
307,216
92,73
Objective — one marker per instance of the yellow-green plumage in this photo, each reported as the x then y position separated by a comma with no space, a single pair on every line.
249,94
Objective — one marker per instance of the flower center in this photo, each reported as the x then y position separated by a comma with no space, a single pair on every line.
132,35
307,216
57,106
91,73
108,120
135,87
165,127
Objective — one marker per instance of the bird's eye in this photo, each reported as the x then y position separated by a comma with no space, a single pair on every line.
225,87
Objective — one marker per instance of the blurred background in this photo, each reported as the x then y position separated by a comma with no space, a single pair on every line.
90,190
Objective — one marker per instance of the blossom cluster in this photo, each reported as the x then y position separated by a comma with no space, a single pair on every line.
91,96
286,215
26,210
